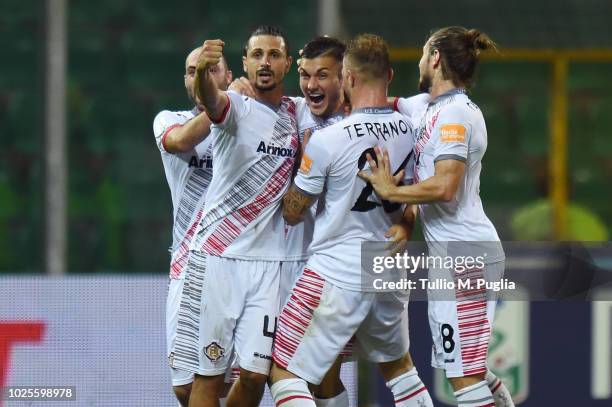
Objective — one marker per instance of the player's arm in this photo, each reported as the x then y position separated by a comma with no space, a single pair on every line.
215,101
309,182
441,187
450,140
410,105
295,204
182,139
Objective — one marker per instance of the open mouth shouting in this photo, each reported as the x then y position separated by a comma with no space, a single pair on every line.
317,99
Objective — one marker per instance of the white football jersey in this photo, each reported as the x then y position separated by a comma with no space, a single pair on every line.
413,107
352,212
188,175
254,146
453,128
300,235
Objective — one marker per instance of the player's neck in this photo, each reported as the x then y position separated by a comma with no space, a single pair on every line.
339,109
270,97
440,87
368,97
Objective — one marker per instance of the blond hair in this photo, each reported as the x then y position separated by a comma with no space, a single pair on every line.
368,55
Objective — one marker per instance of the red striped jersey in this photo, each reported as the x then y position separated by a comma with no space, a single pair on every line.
254,146
188,175
453,127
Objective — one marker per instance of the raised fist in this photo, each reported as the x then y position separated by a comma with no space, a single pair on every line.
212,51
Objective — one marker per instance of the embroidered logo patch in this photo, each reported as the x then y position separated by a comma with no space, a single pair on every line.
214,351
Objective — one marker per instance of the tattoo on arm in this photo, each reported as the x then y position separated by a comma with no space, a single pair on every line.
295,205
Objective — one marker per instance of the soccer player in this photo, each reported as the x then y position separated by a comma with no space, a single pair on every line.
328,306
187,159
320,73
450,143
322,104
230,299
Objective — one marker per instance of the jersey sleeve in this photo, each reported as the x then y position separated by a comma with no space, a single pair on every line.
411,106
163,123
299,101
451,135
303,116
236,108
301,112
314,167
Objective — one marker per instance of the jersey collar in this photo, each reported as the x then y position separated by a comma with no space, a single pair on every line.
333,116
452,92
374,110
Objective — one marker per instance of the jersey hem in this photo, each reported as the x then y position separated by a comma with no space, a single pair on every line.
443,157
296,259
333,281
303,190
256,258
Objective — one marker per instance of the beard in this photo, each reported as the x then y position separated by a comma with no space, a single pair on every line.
266,86
424,84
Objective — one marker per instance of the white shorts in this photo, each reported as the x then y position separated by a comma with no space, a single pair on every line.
461,329
179,377
228,306
320,318
290,272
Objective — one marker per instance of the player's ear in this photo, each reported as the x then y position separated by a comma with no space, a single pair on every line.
229,76
244,67
436,58
289,62
390,75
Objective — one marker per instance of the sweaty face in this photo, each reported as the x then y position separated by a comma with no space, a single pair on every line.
425,70
219,73
266,62
321,85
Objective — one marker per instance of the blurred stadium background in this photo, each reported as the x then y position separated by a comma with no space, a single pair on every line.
79,163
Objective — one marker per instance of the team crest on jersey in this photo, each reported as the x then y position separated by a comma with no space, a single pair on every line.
214,351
